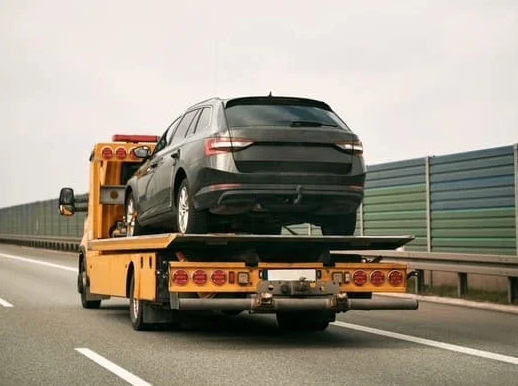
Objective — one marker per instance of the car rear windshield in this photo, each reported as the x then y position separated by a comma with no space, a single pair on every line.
282,115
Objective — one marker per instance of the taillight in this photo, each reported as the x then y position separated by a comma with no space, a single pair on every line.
352,147
218,145
120,153
359,277
218,277
377,278
107,153
199,277
338,277
180,277
243,278
395,278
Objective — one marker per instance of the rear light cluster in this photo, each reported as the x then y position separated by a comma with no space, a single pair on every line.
377,277
217,277
219,145
120,153
352,147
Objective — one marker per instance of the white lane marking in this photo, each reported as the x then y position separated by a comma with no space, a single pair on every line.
117,370
432,343
5,303
33,261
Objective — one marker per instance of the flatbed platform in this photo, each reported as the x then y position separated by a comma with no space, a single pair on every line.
192,242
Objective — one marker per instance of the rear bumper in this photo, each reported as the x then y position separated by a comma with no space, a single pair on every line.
269,304
241,198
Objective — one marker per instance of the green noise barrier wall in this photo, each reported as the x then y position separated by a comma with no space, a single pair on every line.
464,202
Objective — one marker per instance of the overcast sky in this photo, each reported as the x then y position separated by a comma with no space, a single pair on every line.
411,78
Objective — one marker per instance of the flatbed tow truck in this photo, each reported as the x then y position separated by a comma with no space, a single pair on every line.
169,276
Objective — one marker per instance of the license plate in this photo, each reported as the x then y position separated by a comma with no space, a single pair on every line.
291,274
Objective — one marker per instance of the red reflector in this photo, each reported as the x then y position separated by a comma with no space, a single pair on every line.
359,277
377,278
107,152
120,153
218,277
395,278
134,138
180,277
199,277
231,277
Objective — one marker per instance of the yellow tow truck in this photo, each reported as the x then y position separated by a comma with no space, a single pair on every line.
302,279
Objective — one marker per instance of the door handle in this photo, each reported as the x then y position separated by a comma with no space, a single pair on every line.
152,166
175,154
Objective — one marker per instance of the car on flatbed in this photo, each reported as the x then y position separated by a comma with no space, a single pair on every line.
252,165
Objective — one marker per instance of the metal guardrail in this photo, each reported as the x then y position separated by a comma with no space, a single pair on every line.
47,242
462,264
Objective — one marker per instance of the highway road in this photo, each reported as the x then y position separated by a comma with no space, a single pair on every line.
46,338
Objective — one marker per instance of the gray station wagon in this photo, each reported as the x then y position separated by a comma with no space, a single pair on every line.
251,164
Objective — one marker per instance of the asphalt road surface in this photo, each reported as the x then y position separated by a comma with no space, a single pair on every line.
46,338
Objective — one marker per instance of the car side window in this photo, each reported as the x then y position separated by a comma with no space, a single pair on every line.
171,130
204,120
183,126
161,142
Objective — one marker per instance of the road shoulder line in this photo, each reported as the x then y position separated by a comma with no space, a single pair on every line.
112,367
431,343
5,303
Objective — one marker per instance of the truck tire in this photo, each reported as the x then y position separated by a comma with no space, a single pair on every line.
84,288
343,225
304,320
133,227
188,219
136,309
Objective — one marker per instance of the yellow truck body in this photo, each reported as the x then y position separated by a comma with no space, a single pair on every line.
304,280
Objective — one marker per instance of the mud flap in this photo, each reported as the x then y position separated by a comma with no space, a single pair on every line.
156,315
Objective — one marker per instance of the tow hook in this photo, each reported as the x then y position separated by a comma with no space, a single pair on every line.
266,299
341,300
302,285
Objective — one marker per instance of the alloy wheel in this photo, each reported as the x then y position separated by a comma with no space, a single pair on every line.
183,210
131,215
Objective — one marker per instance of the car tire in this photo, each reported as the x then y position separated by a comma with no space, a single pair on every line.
85,290
343,225
133,227
189,219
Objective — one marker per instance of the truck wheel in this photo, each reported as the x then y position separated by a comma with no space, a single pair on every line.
303,320
188,219
343,225
85,290
133,227
136,309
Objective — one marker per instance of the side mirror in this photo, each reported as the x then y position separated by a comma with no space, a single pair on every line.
142,152
67,205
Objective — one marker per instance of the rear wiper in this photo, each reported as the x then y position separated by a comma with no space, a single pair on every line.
309,124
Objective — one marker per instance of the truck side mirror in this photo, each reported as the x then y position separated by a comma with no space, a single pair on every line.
142,152
67,205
